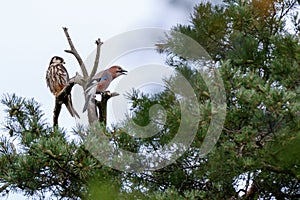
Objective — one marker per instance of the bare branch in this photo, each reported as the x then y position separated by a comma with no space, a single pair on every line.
92,112
102,105
96,63
75,53
56,112
77,79
92,108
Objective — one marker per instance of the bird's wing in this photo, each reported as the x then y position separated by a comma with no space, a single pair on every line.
98,84
56,77
99,79
95,82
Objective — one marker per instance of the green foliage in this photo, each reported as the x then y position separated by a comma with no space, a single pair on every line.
44,161
259,64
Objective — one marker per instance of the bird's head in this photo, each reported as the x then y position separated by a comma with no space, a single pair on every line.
57,60
117,71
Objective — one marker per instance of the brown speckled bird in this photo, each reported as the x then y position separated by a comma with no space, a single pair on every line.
57,77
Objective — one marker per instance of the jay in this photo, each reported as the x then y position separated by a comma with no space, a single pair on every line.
100,82
57,77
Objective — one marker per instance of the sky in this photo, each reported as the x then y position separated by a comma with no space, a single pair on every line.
31,34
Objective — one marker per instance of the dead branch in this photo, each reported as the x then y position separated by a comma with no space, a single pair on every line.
92,112
78,79
76,54
92,107
96,63
102,105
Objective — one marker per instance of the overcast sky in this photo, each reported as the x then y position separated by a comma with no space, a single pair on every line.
31,33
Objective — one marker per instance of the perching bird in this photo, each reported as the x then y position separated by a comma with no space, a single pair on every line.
101,81
57,77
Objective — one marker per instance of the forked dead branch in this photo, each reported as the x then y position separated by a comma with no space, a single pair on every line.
82,80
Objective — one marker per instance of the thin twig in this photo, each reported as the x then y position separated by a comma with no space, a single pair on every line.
96,63
92,111
75,53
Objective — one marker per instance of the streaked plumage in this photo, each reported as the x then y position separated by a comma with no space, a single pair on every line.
57,77
101,81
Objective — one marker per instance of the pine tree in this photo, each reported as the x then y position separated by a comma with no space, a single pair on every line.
256,45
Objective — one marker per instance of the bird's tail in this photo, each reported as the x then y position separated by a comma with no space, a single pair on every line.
70,107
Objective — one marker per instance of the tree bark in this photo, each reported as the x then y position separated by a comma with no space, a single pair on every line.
102,105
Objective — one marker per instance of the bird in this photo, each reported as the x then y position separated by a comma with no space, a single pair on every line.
100,82
57,77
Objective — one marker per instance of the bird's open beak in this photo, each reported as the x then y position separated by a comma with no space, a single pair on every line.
123,72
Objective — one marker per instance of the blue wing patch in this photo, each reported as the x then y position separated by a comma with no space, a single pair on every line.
103,78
